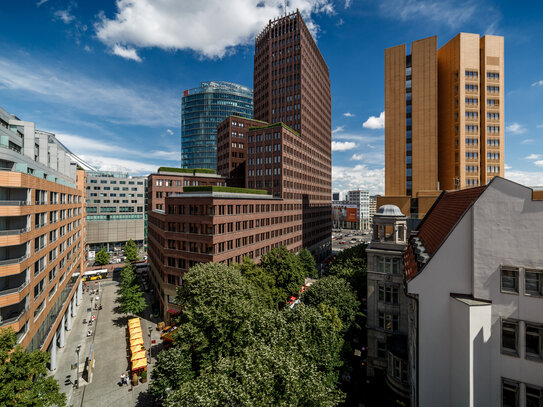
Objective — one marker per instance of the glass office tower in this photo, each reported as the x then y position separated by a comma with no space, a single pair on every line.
202,109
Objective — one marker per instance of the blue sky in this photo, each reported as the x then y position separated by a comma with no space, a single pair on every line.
107,77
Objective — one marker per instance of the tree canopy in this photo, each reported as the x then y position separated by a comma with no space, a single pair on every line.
130,251
102,257
23,375
286,270
336,292
131,296
308,263
234,348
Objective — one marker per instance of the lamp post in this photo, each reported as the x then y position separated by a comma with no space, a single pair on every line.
77,371
150,343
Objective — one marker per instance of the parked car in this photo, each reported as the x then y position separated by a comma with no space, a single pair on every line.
342,242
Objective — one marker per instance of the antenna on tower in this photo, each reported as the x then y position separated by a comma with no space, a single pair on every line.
285,8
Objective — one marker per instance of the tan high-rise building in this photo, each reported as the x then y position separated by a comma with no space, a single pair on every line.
444,118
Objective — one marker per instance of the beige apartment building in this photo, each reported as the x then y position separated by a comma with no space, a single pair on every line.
444,118
42,235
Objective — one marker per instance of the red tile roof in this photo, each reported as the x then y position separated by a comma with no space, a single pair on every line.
439,222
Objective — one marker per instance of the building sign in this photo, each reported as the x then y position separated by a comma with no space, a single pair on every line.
344,213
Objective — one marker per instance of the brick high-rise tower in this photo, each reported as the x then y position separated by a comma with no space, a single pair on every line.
292,86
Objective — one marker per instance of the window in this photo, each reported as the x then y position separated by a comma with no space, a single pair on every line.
381,350
388,294
388,265
509,279
388,322
510,391
533,282
534,396
533,341
510,337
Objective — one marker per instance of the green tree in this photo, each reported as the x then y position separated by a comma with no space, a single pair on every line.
264,282
132,300
128,278
216,301
262,375
286,270
308,263
350,264
23,375
336,292
173,367
130,251
102,257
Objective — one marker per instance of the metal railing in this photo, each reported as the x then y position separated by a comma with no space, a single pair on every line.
14,231
13,290
15,318
13,203
13,261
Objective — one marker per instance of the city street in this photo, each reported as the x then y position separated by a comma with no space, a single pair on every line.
109,337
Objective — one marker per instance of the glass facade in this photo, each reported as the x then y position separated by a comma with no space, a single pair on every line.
202,109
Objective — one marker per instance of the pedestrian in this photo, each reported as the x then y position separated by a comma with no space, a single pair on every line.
122,379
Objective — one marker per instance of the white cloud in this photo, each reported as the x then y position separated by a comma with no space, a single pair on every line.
39,3
211,28
64,15
117,164
539,126
342,145
533,157
87,48
527,141
82,146
539,163
507,166
375,122
110,101
338,129
359,176
449,12
348,114
538,83
169,132
526,178
515,128
358,137
348,3
357,157
128,52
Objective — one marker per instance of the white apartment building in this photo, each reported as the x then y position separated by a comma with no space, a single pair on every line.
475,272
361,199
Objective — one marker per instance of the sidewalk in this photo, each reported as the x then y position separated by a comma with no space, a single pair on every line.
111,354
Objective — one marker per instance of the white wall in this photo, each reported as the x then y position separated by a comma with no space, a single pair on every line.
448,271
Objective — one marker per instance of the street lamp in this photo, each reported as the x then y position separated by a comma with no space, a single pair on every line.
150,343
77,371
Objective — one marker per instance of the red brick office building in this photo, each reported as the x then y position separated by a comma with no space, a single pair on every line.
282,171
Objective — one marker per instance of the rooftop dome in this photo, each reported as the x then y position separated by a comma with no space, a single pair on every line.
389,210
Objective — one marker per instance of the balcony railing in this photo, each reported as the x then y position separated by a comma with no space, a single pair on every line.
13,261
13,290
16,316
13,203
14,232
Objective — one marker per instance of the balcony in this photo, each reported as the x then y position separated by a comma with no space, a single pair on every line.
13,254
13,313
13,196
13,284
13,225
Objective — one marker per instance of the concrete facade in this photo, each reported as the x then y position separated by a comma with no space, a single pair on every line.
116,207
362,201
479,301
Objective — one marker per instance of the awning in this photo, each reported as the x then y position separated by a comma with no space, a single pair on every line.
134,330
134,323
131,320
137,336
136,348
138,355
136,341
139,364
